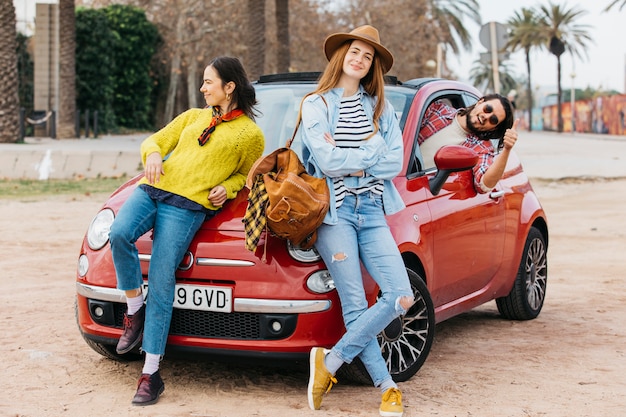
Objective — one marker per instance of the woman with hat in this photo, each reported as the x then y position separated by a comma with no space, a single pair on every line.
352,137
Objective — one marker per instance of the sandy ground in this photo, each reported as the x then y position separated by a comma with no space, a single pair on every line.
570,361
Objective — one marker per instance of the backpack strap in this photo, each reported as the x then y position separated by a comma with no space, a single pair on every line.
299,119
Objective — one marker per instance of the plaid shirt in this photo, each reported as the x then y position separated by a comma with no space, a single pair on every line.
439,115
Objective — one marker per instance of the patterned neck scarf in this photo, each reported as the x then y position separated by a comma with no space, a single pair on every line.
216,120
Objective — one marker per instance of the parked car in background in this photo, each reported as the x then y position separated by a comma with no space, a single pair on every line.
461,249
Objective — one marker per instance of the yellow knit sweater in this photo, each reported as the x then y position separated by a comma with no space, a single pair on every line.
192,170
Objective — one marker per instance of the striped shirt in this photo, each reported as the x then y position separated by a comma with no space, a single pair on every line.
353,128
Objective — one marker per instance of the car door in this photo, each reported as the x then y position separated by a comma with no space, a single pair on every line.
467,232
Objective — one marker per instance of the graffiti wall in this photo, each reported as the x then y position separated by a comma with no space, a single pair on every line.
599,115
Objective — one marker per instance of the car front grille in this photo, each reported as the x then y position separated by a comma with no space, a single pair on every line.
241,326
219,325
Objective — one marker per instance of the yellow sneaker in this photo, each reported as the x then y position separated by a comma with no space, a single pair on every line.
320,380
391,405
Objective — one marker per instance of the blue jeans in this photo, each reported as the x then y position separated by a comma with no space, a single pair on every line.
362,235
173,229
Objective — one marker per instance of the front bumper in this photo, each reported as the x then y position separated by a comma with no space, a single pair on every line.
250,320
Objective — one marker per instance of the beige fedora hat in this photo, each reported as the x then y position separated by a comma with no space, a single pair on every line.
366,33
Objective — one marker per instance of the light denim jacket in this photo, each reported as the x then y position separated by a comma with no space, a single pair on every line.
380,157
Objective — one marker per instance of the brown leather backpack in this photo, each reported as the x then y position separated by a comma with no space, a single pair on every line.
297,202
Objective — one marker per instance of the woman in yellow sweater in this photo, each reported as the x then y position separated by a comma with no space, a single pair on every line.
192,166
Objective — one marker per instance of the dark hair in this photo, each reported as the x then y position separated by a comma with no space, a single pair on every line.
230,69
498,131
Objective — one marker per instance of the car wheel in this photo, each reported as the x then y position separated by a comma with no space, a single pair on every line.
106,350
525,300
406,341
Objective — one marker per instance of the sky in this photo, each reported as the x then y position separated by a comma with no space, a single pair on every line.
605,67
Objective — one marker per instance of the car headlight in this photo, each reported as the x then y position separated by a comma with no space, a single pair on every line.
98,232
303,255
320,282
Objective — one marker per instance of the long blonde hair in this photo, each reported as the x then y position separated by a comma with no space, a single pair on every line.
373,82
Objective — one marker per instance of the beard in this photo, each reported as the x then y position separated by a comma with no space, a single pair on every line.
471,126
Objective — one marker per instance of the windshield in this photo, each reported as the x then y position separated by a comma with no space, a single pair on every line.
279,106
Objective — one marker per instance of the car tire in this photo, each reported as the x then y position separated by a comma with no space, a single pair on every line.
526,298
406,342
106,350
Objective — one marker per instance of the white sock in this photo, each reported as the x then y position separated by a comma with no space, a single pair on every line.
386,384
134,304
151,365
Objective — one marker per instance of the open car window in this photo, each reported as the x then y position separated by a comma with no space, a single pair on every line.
423,154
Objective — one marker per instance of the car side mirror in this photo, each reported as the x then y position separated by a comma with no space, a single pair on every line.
449,159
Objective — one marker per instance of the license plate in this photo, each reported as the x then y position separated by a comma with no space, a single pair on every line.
201,297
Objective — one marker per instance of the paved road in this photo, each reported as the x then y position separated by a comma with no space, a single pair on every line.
563,155
544,155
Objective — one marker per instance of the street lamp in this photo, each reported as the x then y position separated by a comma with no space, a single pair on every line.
432,65
438,64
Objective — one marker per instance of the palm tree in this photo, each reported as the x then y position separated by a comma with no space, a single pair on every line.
561,33
524,34
613,3
9,99
481,75
67,70
447,19
255,34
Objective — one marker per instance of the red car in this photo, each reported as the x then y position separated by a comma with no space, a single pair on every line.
461,249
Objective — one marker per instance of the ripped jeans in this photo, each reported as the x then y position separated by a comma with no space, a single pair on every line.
362,235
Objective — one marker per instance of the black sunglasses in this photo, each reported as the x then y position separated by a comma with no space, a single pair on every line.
493,119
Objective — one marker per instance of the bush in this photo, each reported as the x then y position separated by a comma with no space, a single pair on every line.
114,49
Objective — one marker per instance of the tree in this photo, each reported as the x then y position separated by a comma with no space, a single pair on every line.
66,113
255,38
26,76
95,85
412,35
131,54
283,56
481,75
561,33
9,99
447,20
524,34
614,3
115,47
175,65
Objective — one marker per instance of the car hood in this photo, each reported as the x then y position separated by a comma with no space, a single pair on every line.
230,216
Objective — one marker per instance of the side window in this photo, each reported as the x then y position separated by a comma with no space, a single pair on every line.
400,103
432,122
469,99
